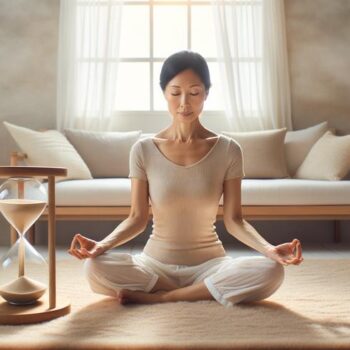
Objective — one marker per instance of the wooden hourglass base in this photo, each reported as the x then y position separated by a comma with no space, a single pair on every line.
34,313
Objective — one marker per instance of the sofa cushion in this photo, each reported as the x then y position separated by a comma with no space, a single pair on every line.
328,159
117,192
106,153
263,152
299,142
49,148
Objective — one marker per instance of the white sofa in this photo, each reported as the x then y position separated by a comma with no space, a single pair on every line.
262,198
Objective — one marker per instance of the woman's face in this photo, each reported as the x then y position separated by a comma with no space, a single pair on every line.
185,95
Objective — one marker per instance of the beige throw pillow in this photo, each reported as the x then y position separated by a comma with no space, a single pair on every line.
298,143
49,148
263,152
328,159
105,153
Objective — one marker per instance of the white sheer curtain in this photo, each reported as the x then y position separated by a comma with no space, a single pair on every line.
252,55
88,54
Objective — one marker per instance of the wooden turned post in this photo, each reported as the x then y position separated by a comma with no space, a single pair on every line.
52,242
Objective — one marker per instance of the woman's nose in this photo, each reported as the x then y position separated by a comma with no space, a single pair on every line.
183,101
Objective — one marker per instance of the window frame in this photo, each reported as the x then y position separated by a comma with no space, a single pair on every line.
151,60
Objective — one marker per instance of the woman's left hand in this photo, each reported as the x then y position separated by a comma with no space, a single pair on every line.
286,253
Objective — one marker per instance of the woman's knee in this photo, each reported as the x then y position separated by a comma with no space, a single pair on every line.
266,270
276,273
114,271
92,266
94,274
91,272
274,277
105,262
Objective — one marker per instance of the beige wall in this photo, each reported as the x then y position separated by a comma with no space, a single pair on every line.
319,58
28,51
318,33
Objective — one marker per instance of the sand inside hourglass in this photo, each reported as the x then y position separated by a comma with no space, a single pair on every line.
21,214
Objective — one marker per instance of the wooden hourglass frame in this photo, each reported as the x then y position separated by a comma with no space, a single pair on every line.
45,308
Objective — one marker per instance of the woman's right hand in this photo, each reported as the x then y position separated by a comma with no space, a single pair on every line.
88,247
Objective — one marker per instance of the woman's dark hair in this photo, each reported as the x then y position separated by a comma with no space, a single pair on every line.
183,60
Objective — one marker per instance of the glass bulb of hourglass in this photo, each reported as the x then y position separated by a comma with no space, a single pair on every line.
22,264
21,214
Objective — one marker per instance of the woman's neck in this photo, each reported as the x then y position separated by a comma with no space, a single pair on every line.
186,133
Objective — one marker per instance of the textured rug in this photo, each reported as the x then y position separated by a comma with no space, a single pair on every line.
311,310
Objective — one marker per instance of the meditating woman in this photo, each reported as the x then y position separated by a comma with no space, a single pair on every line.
184,170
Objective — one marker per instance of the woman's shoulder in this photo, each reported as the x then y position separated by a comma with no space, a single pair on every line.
143,140
229,139
231,143
139,145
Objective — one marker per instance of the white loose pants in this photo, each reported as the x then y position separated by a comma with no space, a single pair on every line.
229,280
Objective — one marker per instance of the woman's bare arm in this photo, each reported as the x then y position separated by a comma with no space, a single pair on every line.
124,232
234,222
138,217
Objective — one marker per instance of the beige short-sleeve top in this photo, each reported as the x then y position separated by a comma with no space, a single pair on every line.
185,199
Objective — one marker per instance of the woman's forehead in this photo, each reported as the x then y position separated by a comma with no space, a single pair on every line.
187,77
192,85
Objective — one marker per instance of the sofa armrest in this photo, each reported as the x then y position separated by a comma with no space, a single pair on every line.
16,157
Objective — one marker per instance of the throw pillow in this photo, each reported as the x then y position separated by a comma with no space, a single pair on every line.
106,153
49,148
263,152
328,159
299,142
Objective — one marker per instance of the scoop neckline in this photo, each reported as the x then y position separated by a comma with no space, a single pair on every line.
190,165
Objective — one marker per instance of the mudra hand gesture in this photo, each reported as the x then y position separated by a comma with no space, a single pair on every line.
88,247
284,253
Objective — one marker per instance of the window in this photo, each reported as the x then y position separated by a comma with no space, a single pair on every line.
146,29
151,30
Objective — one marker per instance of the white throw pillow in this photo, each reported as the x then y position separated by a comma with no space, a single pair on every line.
328,159
106,153
263,152
299,142
49,148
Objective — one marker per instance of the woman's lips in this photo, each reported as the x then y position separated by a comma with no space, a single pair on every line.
186,114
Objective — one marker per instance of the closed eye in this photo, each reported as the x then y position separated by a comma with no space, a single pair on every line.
179,94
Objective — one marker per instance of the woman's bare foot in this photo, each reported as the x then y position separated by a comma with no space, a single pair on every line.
126,296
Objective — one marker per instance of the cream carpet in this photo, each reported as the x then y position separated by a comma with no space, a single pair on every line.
309,311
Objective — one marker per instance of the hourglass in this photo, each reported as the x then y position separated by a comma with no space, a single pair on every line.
22,269
24,272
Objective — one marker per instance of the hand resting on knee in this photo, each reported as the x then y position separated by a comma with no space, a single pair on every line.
88,247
